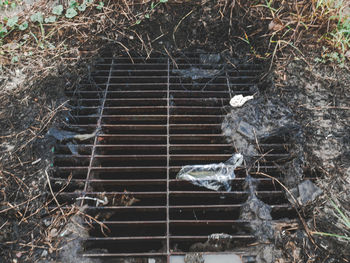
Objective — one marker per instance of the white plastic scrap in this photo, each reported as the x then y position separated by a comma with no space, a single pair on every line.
239,100
215,176
98,201
218,236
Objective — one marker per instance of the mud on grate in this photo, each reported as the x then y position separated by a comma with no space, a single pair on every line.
149,117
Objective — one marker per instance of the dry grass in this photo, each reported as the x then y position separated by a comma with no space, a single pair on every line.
300,26
315,23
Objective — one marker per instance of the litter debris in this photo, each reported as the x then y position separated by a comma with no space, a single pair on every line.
192,258
225,257
214,176
209,58
269,253
257,212
247,130
98,201
258,120
239,100
84,137
62,135
218,236
73,148
305,193
196,73
216,242
308,192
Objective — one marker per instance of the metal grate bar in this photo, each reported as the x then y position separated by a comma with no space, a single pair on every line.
168,163
98,128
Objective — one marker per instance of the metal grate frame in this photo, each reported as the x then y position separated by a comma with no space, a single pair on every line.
149,122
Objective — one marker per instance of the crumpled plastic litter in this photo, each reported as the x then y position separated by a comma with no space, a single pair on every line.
209,58
196,73
62,135
304,193
218,236
239,100
258,120
215,176
73,148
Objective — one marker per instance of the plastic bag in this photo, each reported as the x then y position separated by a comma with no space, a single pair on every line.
214,176
63,135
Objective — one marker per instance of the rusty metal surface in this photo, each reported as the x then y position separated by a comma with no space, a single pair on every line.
150,122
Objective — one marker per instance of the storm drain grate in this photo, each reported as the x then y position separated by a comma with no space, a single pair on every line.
149,118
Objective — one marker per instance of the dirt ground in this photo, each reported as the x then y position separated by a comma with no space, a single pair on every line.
317,95
319,98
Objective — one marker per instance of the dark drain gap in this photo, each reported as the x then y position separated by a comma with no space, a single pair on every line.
154,120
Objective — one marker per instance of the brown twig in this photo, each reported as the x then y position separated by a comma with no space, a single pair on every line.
53,194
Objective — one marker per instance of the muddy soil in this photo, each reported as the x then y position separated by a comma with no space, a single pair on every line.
320,100
27,112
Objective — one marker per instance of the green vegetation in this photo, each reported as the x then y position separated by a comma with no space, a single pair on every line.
153,6
292,22
24,34
345,221
338,12
9,4
289,23
39,18
20,36
40,28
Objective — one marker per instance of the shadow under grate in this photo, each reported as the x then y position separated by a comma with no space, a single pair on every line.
151,117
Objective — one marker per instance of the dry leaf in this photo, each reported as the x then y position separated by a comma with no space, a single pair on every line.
347,54
275,25
53,232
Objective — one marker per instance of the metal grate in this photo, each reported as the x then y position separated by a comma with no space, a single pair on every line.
150,119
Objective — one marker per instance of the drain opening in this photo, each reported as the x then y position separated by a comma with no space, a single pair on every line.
152,117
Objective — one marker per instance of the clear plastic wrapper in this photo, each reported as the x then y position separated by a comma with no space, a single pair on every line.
215,176
63,135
